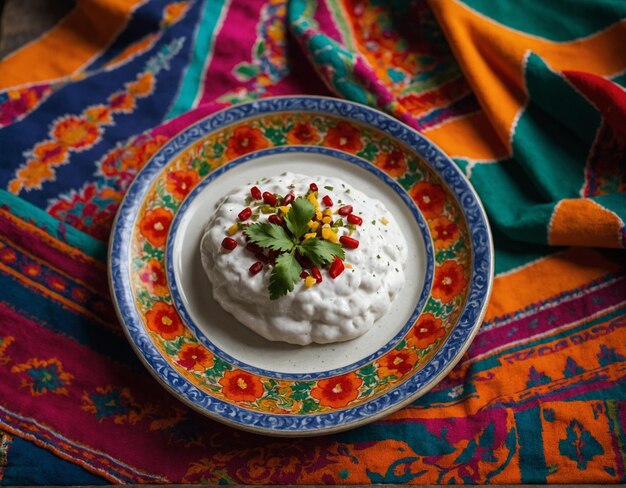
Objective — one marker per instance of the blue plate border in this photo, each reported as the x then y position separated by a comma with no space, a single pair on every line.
439,365
349,158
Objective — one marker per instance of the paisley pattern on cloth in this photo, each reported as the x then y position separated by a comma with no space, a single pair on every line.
528,99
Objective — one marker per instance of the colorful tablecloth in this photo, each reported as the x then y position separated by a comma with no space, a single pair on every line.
526,97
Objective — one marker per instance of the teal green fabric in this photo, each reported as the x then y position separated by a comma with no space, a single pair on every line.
544,18
59,230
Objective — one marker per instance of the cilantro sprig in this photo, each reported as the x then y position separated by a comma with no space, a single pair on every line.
288,240
272,236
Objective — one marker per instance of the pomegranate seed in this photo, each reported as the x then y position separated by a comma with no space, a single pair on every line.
253,248
269,198
289,198
313,187
272,255
256,193
336,268
275,219
349,242
261,257
255,268
229,243
345,210
245,214
327,201
354,219
316,274
304,274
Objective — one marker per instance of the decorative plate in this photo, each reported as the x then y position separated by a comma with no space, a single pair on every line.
222,369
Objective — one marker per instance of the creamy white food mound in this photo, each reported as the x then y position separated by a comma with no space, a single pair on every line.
333,310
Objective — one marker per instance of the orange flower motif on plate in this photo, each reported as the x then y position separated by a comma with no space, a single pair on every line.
155,225
194,357
164,320
245,140
426,330
303,133
345,137
180,183
393,163
50,152
396,363
445,232
153,276
429,198
76,132
337,392
240,386
449,281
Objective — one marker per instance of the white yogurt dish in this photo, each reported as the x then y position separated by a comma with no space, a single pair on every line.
333,310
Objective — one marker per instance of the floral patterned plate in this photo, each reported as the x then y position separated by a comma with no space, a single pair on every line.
221,369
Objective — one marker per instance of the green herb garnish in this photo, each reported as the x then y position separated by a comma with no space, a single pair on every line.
298,217
286,272
320,252
271,236
284,275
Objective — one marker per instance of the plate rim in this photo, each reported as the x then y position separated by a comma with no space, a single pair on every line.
481,280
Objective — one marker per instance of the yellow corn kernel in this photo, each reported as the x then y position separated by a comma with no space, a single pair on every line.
328,211
310,235
313,200
232,230
284,209
329,235
309,281
326,220
347,265
384,221
318,215
313,225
